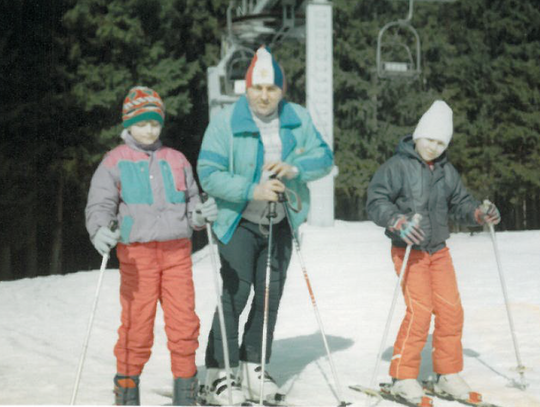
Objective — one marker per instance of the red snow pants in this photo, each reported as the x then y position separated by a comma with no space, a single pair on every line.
152,272
429,287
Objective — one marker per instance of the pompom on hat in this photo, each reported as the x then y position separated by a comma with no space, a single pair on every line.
436,123
264,70
142,103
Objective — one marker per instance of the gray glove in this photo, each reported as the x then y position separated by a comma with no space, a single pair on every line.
487,213
105,239
205,212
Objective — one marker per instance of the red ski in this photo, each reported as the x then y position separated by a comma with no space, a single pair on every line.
384,393
475,399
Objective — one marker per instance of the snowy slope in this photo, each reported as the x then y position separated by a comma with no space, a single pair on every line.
43,323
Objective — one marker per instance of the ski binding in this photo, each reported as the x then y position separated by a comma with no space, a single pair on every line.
279,400
475,399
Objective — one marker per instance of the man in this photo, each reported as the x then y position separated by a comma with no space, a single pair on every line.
258,136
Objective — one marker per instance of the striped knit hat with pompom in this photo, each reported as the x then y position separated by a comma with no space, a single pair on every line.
264,70
142,103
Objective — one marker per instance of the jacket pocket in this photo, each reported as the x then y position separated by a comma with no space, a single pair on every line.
172,193
135,182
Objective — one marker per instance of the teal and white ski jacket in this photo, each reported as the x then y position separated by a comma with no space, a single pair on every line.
232,154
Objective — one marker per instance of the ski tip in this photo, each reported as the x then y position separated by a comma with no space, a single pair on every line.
366,390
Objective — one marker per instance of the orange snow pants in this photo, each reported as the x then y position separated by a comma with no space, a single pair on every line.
429,287
152,272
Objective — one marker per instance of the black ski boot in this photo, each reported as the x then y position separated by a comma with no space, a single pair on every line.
126,390
185,391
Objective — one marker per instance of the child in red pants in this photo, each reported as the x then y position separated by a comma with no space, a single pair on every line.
419,179
150,190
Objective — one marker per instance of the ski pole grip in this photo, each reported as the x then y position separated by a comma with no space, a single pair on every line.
204,198
281,195
113,225
271,210
417,218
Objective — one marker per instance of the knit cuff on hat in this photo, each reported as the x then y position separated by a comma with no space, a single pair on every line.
142,117
141,104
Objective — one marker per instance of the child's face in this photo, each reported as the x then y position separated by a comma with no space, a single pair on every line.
429,149
264,99
146,132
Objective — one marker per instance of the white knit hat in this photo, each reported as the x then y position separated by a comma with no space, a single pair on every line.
436,123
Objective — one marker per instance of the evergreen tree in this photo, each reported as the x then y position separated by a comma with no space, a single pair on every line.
66,67
480,56
166,45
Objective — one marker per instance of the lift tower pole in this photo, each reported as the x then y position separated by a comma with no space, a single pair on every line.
320,101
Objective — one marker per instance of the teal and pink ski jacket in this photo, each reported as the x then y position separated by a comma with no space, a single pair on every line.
151,193
232,154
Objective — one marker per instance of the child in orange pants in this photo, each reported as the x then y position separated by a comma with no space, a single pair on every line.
429,287
419,179
152,272
150,190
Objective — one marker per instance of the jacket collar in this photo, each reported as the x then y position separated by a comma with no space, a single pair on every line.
130,141
242,119
406,147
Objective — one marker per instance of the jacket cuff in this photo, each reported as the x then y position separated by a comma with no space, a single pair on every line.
250,190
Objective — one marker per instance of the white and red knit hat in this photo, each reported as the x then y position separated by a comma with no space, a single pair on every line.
264,70
142,103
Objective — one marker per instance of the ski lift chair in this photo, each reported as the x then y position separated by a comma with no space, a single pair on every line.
394,56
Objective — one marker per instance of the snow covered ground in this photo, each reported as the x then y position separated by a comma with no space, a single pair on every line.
43,323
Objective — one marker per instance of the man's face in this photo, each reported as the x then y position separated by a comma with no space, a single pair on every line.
146,132
429,149
264,99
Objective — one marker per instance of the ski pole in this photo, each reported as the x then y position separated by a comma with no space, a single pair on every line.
401,278
390,314
520,368
271,215
221,317
283,200
113,226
